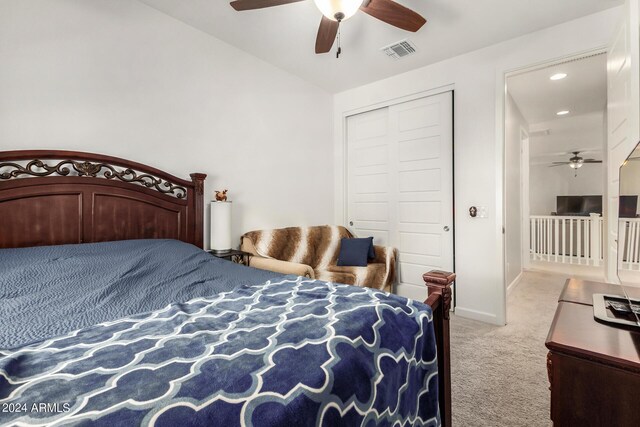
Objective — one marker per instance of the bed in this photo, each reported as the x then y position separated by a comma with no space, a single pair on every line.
112,314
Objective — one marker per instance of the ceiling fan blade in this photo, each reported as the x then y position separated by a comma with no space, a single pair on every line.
394,14
592,161
326,35
559,164
258,4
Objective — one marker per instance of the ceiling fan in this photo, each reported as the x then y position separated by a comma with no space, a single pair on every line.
575,162
336,11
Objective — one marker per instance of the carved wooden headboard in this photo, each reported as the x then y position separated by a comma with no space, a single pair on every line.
59,197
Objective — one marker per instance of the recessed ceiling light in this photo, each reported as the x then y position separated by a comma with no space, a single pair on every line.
558,76
562,113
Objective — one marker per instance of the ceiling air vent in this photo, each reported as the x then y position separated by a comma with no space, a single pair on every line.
400,49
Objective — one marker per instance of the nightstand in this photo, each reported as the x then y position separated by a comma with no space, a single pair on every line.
233,255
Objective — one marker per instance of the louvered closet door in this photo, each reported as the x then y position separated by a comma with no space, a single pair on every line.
400,184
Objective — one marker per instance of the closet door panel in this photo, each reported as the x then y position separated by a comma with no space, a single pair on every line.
422,134
368,175
400,184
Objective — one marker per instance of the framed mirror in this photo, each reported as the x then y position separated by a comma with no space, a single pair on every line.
625,308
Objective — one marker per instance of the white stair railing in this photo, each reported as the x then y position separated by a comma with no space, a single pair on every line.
629,244
567,239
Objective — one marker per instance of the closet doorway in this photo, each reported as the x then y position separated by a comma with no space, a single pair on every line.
400,184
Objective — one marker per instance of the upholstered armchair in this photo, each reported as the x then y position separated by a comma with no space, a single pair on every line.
313,252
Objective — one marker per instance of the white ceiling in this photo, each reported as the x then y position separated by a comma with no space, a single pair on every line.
583,92
285,35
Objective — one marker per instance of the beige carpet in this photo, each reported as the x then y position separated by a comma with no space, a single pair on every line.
499,375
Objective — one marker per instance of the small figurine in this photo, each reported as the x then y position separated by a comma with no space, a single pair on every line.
221,196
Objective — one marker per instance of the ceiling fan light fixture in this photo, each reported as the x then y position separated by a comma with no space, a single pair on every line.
576,164
338,10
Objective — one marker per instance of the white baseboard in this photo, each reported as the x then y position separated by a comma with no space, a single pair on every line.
512,286
477,315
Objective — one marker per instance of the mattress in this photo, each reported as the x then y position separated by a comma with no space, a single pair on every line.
51,290
161,333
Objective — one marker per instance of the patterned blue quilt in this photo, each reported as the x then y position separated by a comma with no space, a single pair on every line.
48,291
288,352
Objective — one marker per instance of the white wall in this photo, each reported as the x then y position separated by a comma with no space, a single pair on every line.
623,118
584,132
118,77
478,78
515,124
546,183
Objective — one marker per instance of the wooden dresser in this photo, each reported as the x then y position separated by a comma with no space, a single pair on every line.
594,368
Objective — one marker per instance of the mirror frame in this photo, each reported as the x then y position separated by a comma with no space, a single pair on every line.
620,245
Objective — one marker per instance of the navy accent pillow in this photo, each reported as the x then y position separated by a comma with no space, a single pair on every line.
354,252
372,252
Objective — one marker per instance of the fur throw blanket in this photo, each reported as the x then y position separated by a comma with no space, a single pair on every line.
318,247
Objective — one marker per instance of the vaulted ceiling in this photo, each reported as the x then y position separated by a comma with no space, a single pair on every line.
285,35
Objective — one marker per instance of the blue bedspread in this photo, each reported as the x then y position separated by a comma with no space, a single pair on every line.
291,352
52,290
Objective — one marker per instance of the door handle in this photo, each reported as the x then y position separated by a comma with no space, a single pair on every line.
351,223
446,228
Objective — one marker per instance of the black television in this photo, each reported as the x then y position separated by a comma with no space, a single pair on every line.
578,205
628,207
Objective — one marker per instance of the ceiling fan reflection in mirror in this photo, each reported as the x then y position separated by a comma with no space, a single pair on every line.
336,11
575,162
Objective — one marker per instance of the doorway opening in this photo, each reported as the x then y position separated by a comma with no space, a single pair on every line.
555,169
